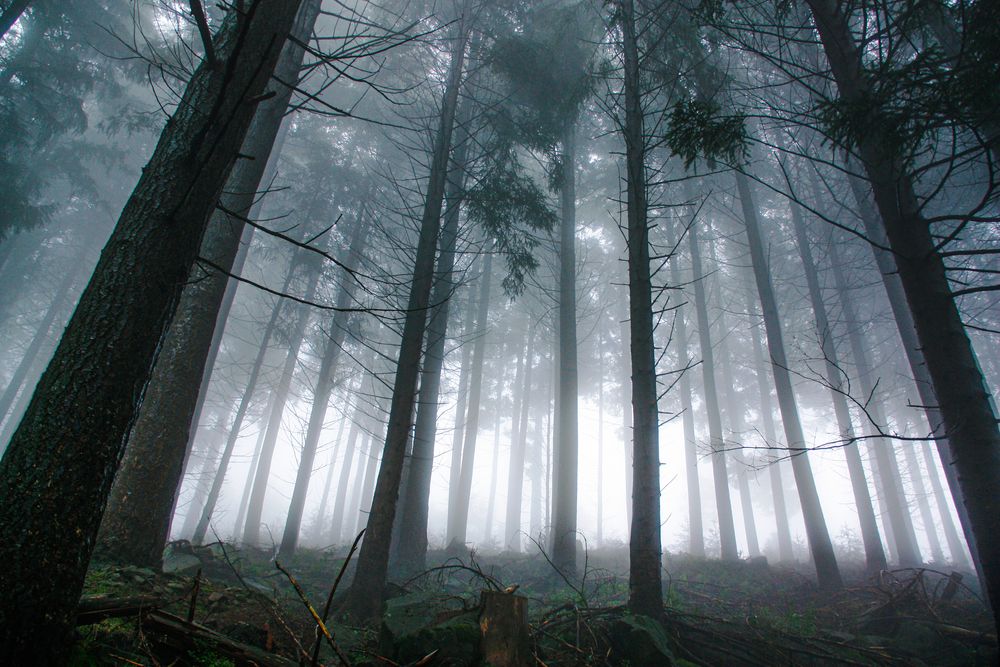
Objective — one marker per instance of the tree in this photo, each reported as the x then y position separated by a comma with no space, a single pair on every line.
56,474
645,581
969,420
141,505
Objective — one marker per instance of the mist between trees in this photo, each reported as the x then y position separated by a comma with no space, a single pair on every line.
700,278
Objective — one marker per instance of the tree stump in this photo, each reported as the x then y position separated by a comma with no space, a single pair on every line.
503,626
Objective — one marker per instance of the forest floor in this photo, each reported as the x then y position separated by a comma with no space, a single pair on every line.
218,606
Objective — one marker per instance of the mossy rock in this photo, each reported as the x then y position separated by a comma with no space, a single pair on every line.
414,626
639,640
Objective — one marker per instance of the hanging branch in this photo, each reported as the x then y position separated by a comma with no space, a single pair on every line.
206,35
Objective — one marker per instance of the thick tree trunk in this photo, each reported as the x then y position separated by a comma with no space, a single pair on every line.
412,552
962,397
874,553
458,522
720,474
141,505
891,485
567,446
645,578
324,384
255,508
820,545
365,595
56,475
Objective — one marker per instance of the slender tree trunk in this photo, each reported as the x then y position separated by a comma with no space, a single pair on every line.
56,474
820,545
696,530
140,508
785,554
461,408
874,553
600,433
962,396
491,502
255,508
567,445
645,578
202,482
888,469
204,514
536,466
723,502
347,453
338,534
412,551
515,471
241,513
923,504
955,546
365,595
458,521
625,396
324,385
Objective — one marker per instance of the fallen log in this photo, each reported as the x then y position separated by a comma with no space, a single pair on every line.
96,608
181,635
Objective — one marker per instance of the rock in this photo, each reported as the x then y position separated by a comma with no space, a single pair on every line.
414,626
181,563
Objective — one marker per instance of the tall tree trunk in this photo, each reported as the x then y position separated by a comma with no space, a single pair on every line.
365,595
515,470
567,446
204,513
536,467
458,521
962,396
820,545
56,474
412,551
645,580
696,530
625,397
241,512
324,384
723,502
347,454
600,433
874,553
785,554
255,507
887,467
140,508
209,468
491,502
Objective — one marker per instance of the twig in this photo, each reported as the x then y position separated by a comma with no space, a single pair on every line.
315,615
333,591
194,596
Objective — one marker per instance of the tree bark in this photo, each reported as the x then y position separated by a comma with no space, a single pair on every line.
567,446
140,508
412,551
645,578
820,545
56,475
365,594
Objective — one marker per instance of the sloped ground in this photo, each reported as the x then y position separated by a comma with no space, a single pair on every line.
246,611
